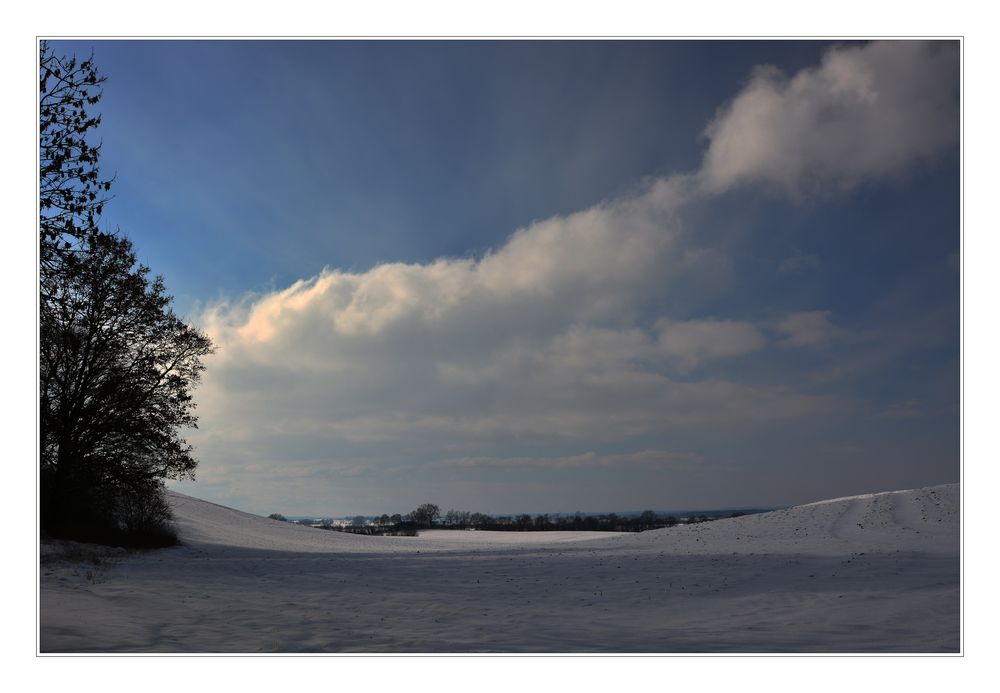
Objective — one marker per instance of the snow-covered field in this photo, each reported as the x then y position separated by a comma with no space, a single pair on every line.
875,573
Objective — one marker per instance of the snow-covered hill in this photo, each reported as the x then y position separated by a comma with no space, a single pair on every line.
874,573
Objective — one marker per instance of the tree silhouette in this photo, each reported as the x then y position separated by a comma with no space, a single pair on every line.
71,192
426,514
116,366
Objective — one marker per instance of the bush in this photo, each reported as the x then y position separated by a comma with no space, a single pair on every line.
143,516
151,537
132,515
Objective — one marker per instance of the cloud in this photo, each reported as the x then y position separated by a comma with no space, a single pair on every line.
580,329
808,329
693,342
542,382
588,266
866,112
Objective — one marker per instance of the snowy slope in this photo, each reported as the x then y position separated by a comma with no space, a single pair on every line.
874,573
206,524
920,520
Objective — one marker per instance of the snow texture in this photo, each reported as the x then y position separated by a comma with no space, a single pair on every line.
871,573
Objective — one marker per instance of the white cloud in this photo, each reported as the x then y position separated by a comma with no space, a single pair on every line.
590,266
435,348
866,112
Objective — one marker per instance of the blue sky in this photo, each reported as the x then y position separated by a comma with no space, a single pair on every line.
277,158
549,276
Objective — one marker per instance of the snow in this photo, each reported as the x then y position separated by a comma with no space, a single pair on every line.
872,573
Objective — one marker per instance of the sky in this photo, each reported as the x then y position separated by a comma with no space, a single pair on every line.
514,276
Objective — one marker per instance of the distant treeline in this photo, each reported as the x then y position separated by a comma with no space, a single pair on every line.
428,516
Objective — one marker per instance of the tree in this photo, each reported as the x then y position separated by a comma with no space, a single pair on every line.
71,191
426,514
116,366
480,519
457,518
277,516
117,369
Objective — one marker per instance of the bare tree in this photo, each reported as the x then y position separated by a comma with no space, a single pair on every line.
72,193
116,366
426,514
117,369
